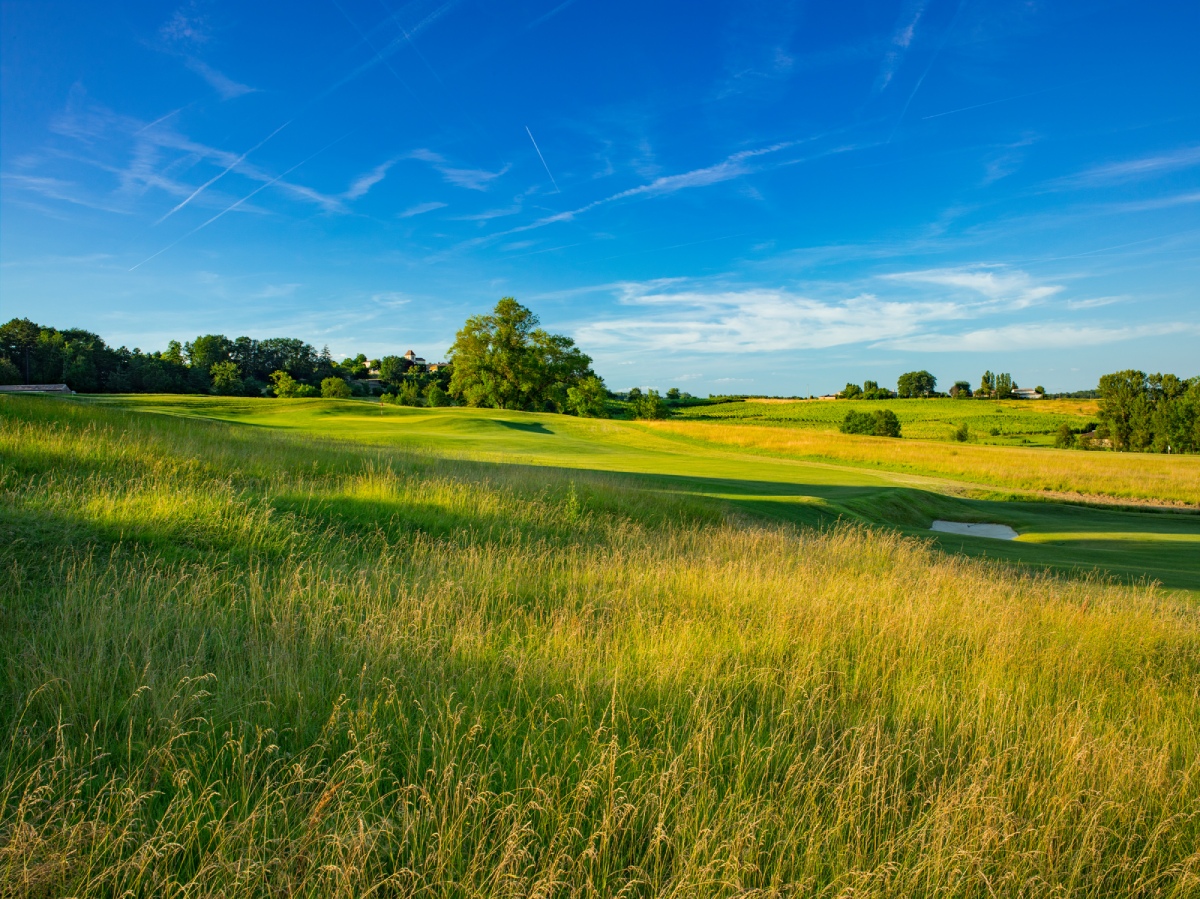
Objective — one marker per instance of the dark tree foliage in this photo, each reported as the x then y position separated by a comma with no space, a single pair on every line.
82,360
649,405
872,391
914,384
1157,413
880,423
504,360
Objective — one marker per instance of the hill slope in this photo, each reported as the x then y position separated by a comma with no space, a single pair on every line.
248,661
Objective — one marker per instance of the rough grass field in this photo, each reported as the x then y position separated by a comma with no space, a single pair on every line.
245,659
1002,422
1148,477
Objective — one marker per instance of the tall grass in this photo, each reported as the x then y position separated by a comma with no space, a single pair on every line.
1141,476
246,663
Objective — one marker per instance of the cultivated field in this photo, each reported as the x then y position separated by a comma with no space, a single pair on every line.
318,648
1002,422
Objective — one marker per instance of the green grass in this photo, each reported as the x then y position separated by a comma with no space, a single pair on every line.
1015,422
1133,545
244,658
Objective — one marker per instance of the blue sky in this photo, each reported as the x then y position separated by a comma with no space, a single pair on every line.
726,197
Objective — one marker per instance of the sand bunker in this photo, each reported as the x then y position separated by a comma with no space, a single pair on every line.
995,531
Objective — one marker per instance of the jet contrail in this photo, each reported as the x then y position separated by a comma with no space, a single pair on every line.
207,184
256,190
543,159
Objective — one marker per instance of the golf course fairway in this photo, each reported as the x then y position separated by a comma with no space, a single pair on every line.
1152,544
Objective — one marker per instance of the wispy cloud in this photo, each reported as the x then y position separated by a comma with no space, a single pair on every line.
59,189
182,35
1183,199
680,316
488,214
1141,167
221,174
1014,289
363,183
421,209
222,84
550,14
733,166
472,179
755,320
1043,335
236,204
902,37
154,151
1094,302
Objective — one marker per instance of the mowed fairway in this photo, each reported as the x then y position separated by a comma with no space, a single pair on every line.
268,648
702,459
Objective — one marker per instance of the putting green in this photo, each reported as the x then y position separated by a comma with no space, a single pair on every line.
1150,545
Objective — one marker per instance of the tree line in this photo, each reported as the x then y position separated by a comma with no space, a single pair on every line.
1147,413
503,360
922,384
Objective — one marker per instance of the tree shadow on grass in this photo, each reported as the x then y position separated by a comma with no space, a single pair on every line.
529,427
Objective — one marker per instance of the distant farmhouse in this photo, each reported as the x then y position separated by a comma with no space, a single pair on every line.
414,359
1026,393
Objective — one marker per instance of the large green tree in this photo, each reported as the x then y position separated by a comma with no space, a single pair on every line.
504,360
915,383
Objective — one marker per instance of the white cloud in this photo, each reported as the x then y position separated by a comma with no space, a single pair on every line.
1094,302
1015,289
1036,336
363,183
471,179
897,311
222,84
756,320
421,209
1138,168
902,37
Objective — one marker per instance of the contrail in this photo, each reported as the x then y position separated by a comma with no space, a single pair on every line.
938,115
207,184
258,189
936,53
162,119
543,159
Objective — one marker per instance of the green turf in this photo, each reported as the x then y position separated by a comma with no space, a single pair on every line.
1131,545
1000,422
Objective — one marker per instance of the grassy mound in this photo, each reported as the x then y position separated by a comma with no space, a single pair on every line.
240,661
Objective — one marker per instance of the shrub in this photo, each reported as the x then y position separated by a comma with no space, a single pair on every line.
409,394
886,423
649,405
287,387
9,373
335,389
881,423
226,379
589,399
1065,438
436,396
962,434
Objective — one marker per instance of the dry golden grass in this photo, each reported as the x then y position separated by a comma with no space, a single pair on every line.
1138,476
